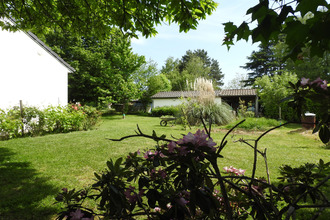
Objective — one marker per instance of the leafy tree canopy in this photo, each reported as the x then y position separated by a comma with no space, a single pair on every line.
276,17
99,17
213,70
272,90
263,62
156,83
103,67
194,64
144,73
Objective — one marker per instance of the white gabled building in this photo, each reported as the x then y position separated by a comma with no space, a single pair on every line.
30,71
230,96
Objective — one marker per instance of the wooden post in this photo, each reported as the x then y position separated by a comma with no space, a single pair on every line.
280,112
256,107
22,116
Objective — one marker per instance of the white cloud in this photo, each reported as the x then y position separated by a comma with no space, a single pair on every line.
138,41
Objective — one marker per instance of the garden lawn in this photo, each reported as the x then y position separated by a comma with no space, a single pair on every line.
34,170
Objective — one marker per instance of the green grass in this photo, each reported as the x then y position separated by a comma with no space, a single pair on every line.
34,170
255,124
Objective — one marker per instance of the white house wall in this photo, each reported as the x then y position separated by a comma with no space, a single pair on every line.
166,102
173,102
29,73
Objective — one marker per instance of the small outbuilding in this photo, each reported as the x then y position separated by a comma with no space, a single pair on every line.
230,96
31,72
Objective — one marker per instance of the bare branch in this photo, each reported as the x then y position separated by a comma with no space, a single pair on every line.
139,133
223,143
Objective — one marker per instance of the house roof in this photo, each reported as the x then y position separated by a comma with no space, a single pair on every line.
218,93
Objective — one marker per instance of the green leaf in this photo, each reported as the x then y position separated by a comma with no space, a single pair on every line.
143,181
203,201
256,10
110,165
284,13
152,197
317,128
229,27
305,6
118,163
324,134
97,176
294,27
156,162
154,135
114,189
243,32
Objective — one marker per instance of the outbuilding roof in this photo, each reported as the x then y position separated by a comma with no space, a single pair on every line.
238,92
218,93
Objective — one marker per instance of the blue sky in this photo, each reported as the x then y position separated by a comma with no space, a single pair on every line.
208,36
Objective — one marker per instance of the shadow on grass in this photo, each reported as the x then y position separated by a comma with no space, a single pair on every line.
293,126
21,190
111,117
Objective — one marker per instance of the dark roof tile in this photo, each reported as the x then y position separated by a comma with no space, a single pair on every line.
238,92
218,93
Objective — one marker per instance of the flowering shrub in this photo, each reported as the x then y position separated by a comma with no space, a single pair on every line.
33,121
181,179
10,123
165,110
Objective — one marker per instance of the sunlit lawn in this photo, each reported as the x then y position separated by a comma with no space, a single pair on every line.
34,170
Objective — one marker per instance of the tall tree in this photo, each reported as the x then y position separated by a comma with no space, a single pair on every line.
182,80
171,64
192,65
202,54
214,74
97,18
156,83
263,62
103,67
144,73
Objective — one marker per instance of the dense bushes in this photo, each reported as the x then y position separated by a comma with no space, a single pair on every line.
33,121
166,110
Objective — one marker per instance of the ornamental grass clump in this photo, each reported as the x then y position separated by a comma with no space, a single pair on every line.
204,106
206,95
